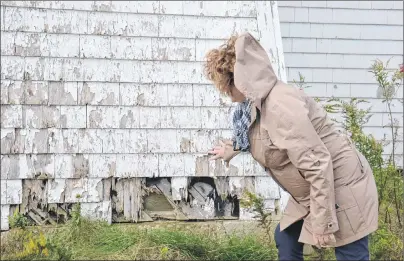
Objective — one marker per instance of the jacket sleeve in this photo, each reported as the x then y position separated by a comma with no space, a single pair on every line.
229,151
291,130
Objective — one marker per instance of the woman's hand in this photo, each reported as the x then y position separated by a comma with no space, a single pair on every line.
218,151
327,240
223,151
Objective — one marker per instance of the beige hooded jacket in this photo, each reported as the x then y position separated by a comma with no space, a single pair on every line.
331,183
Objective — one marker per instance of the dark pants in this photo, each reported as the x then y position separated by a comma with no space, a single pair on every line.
290,249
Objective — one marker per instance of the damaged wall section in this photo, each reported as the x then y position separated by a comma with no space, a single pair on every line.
50,201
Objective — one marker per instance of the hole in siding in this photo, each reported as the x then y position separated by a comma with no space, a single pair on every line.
225,205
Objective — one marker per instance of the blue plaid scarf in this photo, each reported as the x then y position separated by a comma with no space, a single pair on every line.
241,122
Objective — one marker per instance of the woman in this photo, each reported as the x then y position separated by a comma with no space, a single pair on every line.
333,199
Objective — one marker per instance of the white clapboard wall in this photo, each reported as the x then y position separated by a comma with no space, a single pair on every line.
105,103
334,43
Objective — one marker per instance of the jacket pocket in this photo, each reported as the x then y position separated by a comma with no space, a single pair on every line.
349,215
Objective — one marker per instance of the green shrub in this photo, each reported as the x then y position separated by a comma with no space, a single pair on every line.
18,220
386,245
387,242
31,244
254,202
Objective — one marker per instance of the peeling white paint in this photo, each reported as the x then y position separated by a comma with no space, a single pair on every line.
179,188
247,214
5,132
95,190
237,185
3,186
103,90
270,36
4,215
97,211
209,8
56,190
266,187
76,190
269,205
25,169
11,115
102,166
13,192
98,93
63,166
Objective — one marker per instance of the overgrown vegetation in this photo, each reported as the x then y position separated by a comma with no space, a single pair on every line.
256,204
18,220
82,239
387,242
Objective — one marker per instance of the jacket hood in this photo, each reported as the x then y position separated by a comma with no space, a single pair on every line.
253,73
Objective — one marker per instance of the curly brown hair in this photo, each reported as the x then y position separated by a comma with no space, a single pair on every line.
219,65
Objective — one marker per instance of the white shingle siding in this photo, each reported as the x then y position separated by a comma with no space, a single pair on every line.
98,89
333,44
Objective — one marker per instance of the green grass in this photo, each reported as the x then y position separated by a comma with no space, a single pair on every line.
197,246
81,239
100,241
